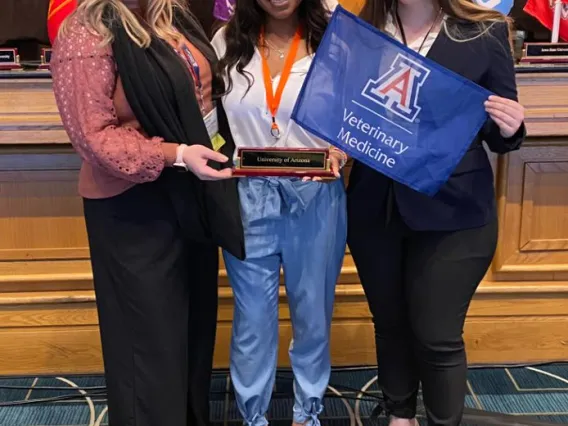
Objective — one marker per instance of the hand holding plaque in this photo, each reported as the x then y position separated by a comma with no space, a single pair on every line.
298,162
278,161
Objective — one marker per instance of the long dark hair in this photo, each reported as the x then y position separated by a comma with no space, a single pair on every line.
242,33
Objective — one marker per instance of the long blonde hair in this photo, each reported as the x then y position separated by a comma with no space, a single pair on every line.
376,13
158,18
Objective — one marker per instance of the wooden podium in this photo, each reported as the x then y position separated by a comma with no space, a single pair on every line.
48,321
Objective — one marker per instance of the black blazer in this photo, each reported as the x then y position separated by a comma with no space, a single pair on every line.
467,200
155,82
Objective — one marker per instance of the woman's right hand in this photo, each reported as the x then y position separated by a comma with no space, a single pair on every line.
196,158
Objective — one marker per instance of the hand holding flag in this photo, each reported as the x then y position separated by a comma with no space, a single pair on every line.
380,103
57,12
507,114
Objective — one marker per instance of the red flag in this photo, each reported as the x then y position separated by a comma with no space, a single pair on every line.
57,12
543,10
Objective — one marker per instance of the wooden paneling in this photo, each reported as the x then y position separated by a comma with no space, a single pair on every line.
545,98
534,214
48,321
28,113
41,216
56,332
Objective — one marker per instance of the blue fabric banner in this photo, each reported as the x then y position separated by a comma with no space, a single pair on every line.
503,6
387,106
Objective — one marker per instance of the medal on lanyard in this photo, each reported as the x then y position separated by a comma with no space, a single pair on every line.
273,99
191,61
194,70
194,67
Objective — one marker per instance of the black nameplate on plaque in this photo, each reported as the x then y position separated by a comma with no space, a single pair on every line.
8,56
9,59
282,159
46,56
45,59
546,49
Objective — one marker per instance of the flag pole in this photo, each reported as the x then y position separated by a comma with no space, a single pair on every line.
556,21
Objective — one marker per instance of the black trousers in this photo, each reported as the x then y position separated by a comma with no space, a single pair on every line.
419,286
157,304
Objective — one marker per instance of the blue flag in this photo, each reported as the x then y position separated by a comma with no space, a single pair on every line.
387,106
503,6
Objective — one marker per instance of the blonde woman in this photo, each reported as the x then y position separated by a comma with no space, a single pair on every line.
136,92
421,258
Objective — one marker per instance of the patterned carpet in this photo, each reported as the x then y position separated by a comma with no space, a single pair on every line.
539,393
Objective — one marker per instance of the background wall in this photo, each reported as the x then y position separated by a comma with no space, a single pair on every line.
48,321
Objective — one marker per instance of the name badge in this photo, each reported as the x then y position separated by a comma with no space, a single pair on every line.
212,124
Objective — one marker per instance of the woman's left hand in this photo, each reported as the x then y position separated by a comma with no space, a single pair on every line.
507,114
335,160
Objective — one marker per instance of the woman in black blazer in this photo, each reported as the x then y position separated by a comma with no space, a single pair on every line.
420,259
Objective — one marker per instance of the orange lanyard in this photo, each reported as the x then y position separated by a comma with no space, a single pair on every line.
273,99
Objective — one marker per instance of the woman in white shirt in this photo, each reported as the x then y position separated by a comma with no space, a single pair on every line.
292,223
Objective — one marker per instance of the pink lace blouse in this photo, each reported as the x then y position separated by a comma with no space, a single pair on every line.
102,128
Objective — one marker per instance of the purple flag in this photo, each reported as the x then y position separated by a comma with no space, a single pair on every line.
223,9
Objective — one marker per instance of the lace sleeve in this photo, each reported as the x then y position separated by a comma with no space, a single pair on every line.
84,81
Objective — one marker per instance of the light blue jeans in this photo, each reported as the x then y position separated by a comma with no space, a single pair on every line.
301,227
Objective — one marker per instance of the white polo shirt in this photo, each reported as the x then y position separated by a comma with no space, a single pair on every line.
249,117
